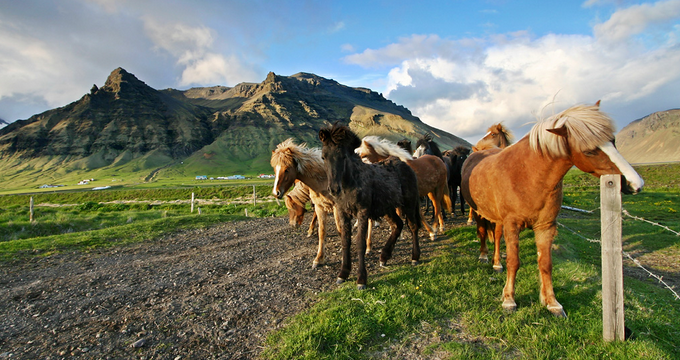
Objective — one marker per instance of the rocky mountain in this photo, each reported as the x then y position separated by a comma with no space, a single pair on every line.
654,138
3,123
127,127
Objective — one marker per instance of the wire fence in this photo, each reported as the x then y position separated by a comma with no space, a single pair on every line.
635,261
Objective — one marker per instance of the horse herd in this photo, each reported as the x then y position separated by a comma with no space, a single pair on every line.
508,187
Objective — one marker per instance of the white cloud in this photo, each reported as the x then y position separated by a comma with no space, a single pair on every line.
216,69
464,86
635,19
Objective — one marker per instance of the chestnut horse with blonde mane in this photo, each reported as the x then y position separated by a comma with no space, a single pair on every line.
430,171
497,136
290,162
521,186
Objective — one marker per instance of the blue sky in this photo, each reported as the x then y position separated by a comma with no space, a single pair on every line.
458,65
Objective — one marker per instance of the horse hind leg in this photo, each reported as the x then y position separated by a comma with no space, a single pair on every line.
497,233
482,236
511,234
310,231
321,214
397,225
544,240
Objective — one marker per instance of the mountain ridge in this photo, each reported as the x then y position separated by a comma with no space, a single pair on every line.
126,126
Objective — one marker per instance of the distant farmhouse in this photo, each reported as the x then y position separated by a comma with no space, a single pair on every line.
265,176
46,186
201,177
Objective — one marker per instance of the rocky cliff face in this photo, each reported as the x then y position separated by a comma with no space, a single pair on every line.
654,138
230,127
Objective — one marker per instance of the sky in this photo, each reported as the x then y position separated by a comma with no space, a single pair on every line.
458,65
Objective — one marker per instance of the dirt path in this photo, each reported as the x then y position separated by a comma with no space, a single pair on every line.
200,294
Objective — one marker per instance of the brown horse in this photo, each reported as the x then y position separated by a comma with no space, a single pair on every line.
521,186
430,171
290,162
497,136
364,191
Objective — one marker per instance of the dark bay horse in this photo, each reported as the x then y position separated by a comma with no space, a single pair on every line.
521,186
430,171
290,162
364,191
456,157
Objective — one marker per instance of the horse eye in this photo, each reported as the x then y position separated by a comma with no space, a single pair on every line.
590,153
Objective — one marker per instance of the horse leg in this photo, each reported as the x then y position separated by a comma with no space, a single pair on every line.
436,205
310,231
321,214
361,244
497,233
430,231
511,233
544,240
462,201
470,217
397,225
368,236
346,241
482,235
414,226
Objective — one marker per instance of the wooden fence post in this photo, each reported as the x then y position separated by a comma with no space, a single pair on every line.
612,260
192,203
30,207
254,195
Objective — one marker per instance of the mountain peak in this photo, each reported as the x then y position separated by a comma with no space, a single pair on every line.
120,81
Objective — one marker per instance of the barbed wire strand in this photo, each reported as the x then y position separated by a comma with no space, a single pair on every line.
635,261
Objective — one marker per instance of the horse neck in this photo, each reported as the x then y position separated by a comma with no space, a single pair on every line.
316,183
553,169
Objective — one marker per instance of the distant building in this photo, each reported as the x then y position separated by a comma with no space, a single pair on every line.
235,177
265,176
46,186
201,177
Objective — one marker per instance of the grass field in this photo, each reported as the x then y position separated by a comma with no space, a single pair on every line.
449,305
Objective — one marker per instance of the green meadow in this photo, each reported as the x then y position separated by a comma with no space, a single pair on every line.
447,307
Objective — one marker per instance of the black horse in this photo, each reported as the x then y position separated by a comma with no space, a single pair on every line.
456,158
365,192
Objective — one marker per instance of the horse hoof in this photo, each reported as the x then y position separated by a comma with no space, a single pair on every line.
361,287
383,264
498,268
339,281
368,251
557,311
415,262
433,236
470,222
315,265
509,305
483,259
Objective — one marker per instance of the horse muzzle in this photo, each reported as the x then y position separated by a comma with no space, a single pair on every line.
631,187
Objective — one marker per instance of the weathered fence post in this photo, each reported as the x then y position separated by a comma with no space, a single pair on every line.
612,260
192,202
254,195
30,207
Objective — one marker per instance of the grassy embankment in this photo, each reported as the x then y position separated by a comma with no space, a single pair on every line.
455,300
82,220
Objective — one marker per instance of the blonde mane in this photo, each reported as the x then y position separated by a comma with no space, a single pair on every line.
308,160
383,147
587,126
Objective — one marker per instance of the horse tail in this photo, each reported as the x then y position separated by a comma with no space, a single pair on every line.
447,200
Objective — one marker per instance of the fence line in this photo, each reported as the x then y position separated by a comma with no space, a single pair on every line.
635,261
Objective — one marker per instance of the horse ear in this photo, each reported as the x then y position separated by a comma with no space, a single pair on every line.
474,148
560,131
598,103
323,135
